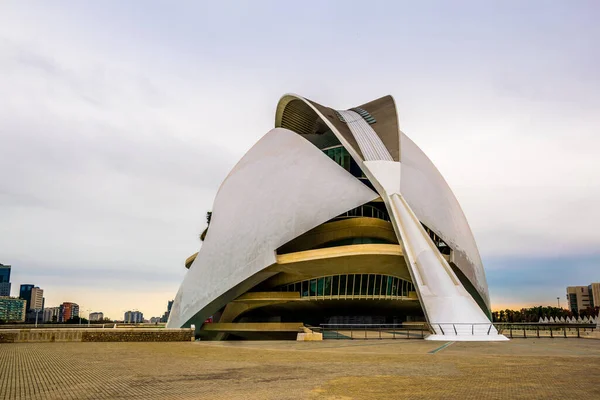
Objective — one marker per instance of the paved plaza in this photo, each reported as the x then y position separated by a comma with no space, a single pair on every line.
344,369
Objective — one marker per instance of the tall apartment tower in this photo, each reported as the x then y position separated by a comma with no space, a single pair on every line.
165,317
4,280
68,311
37,299
25,293
33,295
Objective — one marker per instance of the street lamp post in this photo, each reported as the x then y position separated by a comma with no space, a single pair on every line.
88,317
558,300
37,311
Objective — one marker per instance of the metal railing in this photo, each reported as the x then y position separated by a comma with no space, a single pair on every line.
372,331
365,211
513,329
420,330
463,329
540,330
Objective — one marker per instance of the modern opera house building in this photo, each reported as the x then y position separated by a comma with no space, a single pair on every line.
335,216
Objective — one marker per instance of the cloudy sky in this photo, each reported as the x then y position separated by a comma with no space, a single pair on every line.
118,121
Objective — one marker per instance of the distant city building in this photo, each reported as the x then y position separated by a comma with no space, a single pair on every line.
25,293
35,300
33,295
67,311
12,309
96,316
133,317
594,293
51,314
155,320
165,317
581,297
578,298
4,280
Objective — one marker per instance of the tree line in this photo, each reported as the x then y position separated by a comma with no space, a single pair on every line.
534,314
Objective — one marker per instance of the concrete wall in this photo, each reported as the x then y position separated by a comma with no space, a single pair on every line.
93,325
95,335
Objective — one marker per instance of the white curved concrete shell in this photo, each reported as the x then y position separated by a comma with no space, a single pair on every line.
433,202
281,188
285,186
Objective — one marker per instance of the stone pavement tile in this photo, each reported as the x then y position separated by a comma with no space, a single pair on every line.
372,369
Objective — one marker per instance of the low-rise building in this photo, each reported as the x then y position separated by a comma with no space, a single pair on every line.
581,297
12,309
96,316
594,293
133,317
51,314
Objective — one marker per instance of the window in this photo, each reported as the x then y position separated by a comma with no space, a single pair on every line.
367,211
327,286
367,285
356,285
364,285
377,288
335,285
320,286
346,161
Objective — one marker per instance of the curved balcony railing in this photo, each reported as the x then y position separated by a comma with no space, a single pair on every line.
353,286
365,211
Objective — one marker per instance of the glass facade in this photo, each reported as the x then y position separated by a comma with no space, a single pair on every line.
573,302
352,286
4,280
437,241
341,156
4,273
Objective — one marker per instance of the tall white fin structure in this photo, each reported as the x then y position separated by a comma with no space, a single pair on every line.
451,311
